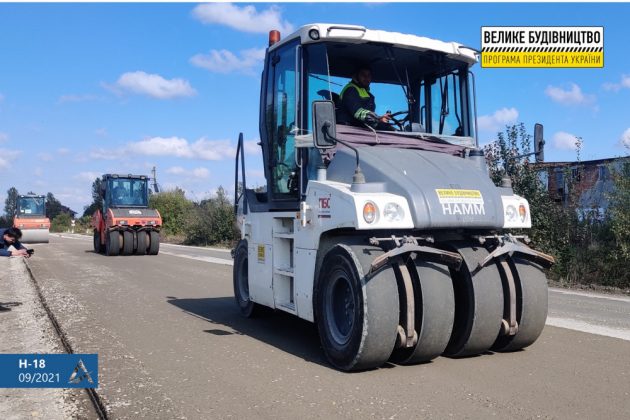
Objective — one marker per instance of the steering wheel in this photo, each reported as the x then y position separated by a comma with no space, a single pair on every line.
398,122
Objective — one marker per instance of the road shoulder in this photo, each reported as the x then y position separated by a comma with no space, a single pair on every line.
26,329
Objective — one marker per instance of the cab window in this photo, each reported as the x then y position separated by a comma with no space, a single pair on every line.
446,106
281,100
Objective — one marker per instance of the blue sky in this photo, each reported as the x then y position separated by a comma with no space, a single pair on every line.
87,89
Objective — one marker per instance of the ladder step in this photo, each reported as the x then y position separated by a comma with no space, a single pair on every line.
284,271
284,235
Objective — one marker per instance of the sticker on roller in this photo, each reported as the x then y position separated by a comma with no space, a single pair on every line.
457,202
261,254
542,46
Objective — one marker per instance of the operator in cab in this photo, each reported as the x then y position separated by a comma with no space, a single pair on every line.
357,104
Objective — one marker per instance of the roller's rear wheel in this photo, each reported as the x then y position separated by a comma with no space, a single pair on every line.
357,316
434,312
127,248
98,247
142,240
478,304
531,305
154,242
112,243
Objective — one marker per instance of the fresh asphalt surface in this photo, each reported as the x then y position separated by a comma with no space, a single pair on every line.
172,344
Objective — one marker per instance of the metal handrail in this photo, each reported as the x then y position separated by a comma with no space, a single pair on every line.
240,151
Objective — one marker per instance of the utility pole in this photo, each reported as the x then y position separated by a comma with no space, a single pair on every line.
156,189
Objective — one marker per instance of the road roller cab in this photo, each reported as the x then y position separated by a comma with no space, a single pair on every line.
126,225
31,218
395,242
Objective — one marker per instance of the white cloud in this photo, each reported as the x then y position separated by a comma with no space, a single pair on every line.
625,139
197,173
172,146
4,137
160,146
245,19
252,147
63,151
153,85
616,87
201,173
224,61
565,141
76,98
572,96
38,172
87,176
46,157
498,120
101,153
101,132
6,158
175,170
255,173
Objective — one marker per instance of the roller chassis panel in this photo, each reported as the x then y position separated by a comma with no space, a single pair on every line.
442,191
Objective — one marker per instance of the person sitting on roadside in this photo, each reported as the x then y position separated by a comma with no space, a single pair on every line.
10,245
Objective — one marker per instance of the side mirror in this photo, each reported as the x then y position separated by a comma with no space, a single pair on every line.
324,129
539,143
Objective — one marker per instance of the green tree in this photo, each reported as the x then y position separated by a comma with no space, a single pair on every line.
618,212
61,223
97,199
53,206
84,224
212,221
10,203
174,208
552,224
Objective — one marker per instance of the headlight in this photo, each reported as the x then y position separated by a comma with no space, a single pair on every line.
510,213
393,212
370,212
522,211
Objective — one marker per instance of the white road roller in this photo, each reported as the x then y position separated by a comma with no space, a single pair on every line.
396,243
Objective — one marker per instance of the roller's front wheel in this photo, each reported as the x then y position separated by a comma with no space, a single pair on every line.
357,315
247,307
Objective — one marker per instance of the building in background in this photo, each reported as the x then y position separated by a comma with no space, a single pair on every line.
592,182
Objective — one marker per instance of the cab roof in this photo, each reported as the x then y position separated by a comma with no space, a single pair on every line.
353,34
127,176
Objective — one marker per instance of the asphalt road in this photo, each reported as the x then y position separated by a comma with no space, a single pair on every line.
172,344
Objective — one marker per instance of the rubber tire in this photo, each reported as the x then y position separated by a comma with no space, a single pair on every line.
532,296
141,240
154,243
434,310
370,338
98,247
240,281
479,304
127,248
112,243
